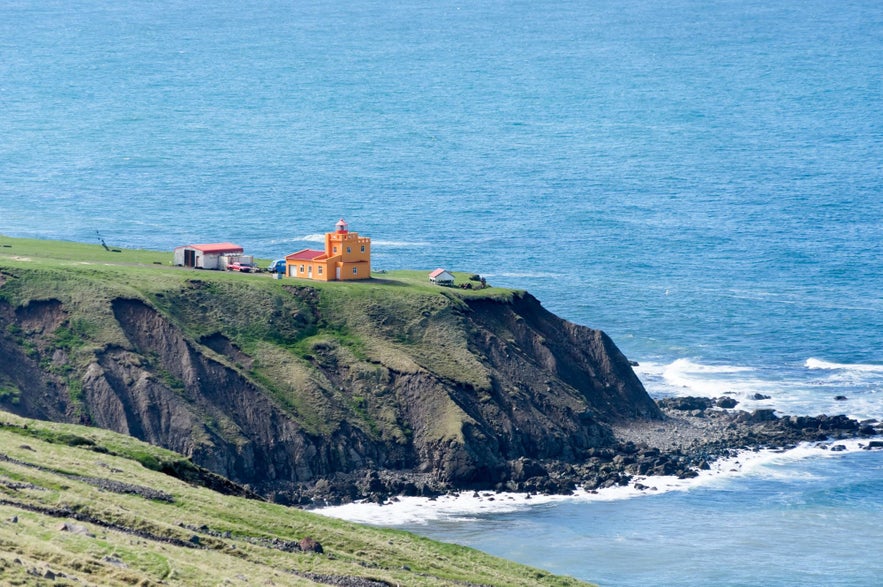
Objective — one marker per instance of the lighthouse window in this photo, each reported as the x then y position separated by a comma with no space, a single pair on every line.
363,248
355,270
349,249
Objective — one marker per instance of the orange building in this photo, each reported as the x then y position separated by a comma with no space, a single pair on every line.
346,256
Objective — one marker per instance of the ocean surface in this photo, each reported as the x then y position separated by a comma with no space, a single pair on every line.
703,180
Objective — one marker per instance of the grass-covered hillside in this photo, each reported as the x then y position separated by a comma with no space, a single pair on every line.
83,506
306,390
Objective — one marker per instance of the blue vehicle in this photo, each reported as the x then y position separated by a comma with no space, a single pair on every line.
277,266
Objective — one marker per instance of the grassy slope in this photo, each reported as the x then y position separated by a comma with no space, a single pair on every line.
42,473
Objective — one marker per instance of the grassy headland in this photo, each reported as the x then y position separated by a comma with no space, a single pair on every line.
397,319
309,392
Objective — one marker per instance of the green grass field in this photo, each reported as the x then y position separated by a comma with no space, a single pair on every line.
156,267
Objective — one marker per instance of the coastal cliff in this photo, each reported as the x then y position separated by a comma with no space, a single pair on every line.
298,389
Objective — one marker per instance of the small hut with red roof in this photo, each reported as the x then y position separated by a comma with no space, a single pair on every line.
206,256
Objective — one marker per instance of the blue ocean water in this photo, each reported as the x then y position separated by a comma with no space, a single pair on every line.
700,179
813,522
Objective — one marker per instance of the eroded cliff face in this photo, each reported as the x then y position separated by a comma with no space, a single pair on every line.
314,408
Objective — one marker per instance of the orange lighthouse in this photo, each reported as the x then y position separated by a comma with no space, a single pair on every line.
347,256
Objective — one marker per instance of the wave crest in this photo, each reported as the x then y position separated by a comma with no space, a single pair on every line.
813,363
383,243
320,238
686,365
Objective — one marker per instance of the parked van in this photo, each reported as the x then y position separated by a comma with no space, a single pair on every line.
277,266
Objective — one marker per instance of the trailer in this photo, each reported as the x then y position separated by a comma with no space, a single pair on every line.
205,256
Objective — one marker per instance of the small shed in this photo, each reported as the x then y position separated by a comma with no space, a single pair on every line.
206,256
441,277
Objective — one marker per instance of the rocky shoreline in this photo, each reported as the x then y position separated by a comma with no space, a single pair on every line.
694,433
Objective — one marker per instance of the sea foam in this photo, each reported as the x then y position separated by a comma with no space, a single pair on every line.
320,238
815,387
813,363
472,506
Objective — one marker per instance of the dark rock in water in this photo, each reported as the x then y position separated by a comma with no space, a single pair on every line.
762,415
760,396
634,364
686,404
875,444
726,403
840,398
838,422
838,448
523,469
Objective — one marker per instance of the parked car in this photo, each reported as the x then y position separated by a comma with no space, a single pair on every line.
277,266
241,267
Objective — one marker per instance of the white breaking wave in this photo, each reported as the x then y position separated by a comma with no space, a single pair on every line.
524,275
283,241
320,238
813,363
686,377
384,243
818,388
470,506
688,366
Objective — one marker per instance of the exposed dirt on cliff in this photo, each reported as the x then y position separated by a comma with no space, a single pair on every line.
32,387
224,346
40,318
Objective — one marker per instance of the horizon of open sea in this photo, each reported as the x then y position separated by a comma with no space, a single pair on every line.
700,179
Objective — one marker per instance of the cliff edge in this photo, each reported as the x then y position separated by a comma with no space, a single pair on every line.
303,391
